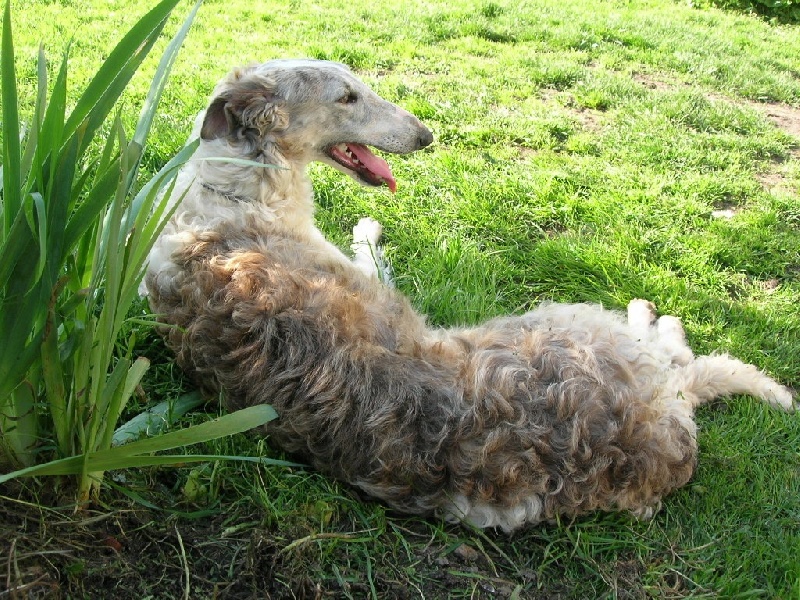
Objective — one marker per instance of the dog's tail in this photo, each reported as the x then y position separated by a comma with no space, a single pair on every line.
710,377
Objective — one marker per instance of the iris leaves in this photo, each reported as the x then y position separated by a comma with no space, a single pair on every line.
77,225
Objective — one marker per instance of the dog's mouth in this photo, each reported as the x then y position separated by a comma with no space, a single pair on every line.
359,160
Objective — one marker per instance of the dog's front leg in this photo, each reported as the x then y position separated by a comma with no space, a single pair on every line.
367,254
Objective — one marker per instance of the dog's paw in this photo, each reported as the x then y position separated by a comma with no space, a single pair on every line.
367,254
672,338
367,231
642,310
645,513
671,327
641,316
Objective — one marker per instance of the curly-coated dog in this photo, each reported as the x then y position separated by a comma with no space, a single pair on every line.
560,411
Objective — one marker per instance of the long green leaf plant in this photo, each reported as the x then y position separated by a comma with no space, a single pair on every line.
74,239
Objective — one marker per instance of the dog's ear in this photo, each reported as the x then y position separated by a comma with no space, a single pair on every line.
218,122
249,108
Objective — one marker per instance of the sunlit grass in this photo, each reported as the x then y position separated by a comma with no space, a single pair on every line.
583,151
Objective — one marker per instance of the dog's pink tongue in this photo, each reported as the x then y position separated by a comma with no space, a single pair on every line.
375,164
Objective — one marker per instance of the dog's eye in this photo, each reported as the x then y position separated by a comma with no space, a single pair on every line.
348,98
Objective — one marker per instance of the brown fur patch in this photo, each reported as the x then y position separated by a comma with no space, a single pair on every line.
498,413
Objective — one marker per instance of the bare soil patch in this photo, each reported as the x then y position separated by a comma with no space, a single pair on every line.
123,550
784,116
589,119
126,551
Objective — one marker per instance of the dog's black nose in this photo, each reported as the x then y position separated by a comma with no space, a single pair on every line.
425,138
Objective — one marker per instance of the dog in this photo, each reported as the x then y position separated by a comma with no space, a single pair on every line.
567,409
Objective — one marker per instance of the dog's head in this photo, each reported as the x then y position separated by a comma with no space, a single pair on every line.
308,110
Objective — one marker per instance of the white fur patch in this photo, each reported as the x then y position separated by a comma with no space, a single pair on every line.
368,256
483,515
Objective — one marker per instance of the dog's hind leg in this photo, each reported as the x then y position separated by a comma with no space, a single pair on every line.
367,254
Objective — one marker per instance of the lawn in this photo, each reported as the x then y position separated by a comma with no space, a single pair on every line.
586,151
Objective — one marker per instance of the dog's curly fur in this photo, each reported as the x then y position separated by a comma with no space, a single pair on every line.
563,410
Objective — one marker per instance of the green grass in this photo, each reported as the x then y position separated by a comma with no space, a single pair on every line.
582,150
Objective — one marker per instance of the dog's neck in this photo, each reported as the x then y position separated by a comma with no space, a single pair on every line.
279,191
227,195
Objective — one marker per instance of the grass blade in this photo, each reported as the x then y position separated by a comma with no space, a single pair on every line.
51,135
167,173
99,464
132,379
85,216
19,425
40,109
130,455
243,162
12,176
241,420
40,226
155,419
53,377
17,243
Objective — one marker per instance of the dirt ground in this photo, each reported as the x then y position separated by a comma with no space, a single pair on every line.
124,550
131,552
